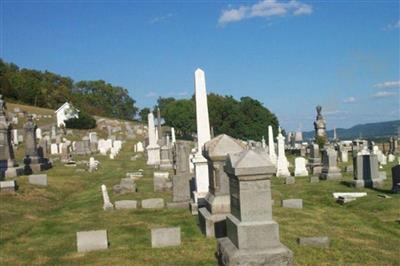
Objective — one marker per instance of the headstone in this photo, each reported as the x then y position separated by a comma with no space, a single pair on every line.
161,181
91,240
217,202
38,133
336,195
8,186
391,158
180,181
156,203
282,169
203,135
173,135
366,173
271,145
290,180
330,170
292,203
125,204
153,149
40,180
165,160
314,179
300,167
54,149
396,179
126,185
165,237
139,147
8,165
252,235
107,205
321,241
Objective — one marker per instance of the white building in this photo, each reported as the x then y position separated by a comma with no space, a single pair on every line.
65,112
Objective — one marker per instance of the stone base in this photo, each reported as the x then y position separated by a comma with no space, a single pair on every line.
229,254
13,171
330,175
372,183
212,225
194,208
178,205
165,165
34,168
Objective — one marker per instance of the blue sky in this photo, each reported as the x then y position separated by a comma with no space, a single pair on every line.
290,55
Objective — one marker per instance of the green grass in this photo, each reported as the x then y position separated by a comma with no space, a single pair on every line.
38,225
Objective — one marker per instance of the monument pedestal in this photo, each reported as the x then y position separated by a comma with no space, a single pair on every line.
229,254
153,155
201,180
332,173
212,218
34,165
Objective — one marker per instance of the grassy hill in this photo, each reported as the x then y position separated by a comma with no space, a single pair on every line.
366,131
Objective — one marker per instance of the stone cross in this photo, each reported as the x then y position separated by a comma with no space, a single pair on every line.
107,205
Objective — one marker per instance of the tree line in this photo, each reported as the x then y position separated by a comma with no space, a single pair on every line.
245,119
50,90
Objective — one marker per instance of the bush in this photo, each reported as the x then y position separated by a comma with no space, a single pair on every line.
84,121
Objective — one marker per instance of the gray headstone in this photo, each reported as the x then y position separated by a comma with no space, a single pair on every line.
165,237
322,241
91,240
292,203
314,179
156,203
125,204
40,180
290,180
396,178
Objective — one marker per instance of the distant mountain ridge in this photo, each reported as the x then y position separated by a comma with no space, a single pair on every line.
365,131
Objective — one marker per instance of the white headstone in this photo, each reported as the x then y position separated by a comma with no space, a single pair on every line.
107,205
38,133
15,136
173,135
300,167
153,149
282,162
54,148
271,145
203,135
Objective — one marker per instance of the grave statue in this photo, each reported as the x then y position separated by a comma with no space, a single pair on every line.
320,124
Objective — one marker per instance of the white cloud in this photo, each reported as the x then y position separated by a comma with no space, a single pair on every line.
392,26
151,94
178,94
350,99
383,94
264,8
388,85
159,19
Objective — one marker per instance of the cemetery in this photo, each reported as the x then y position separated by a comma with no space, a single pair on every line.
196,177
154,198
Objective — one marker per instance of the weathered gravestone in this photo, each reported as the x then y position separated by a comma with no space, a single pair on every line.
330,170
212,217
107,205
126,185
91,240
366,171
396,179
161,181
125,204
8,186
40,180
322,241
300,167
180,181
253,237
156,203
165,237
292,203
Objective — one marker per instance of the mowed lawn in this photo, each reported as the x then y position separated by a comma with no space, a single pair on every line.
39,224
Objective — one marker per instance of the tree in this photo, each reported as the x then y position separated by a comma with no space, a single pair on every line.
84,121
143,114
